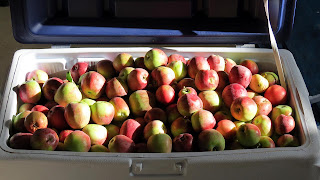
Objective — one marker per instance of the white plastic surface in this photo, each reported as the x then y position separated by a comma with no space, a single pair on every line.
278,163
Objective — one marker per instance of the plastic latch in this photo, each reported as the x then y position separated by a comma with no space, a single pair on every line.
158,167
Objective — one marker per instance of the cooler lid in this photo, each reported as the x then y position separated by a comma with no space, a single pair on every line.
149,21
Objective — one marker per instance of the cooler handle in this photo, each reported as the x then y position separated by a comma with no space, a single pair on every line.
158,167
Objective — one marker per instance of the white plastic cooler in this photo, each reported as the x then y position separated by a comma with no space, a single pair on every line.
277,163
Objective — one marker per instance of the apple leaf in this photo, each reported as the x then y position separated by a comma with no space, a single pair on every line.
69,77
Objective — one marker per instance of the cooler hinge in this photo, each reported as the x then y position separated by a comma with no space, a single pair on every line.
245,46
60,46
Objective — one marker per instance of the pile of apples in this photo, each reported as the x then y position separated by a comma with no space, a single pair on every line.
155,104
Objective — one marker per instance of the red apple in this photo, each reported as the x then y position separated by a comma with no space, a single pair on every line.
140,102
35,120
183,143
287,140
165,94
78,70
116,87
20,141
176,57
181,125
155,114
251,65
187,90
40,108
216,62
121,109
50,104
276,94
186,82
206,80
284,124
123,60
138,79
227,128
243,109
50,87
56,118
77,115
232,92
202,120
223,80
189,104
162,76
44,139
139,63
30,92
241,75
264,105
105,68
93,85
196,64
121,144
63,134
37,75
229,65
132,129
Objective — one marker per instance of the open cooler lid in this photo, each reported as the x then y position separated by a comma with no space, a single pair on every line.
149,22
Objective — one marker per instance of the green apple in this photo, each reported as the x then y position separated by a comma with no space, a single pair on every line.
179,68
263,122
211,140
88,101
97,133
211,100
125,72
99,148
102,112
159,143
280,109
77,115
155,58
67,93
248,135
77,141
123,60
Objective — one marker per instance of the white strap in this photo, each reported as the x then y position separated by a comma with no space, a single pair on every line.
275,48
